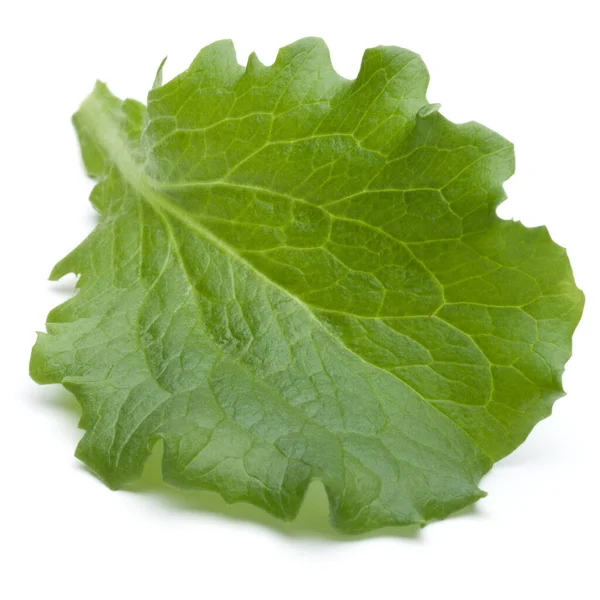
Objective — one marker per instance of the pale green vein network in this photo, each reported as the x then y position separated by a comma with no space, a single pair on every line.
104,130
342,303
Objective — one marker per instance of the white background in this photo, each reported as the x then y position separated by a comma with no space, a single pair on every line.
528,70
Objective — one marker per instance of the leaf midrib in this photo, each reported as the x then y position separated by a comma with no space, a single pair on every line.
108,133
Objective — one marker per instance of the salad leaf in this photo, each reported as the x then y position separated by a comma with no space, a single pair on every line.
299,277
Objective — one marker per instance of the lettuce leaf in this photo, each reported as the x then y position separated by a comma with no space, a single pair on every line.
299,277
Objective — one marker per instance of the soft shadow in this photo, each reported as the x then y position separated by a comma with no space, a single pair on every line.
58,399
63,401
65,287
472,510
311,523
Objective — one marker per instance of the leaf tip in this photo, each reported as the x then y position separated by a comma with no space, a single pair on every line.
313,46
254,64
218,55
158,78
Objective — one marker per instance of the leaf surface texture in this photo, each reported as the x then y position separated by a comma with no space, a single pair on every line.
295,277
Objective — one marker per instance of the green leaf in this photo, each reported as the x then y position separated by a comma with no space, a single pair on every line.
297,277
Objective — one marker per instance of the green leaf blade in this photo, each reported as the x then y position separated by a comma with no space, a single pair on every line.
300,277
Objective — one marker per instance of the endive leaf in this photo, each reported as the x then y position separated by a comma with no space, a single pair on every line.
299,277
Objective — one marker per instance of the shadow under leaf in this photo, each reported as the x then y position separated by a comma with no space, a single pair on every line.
312,522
